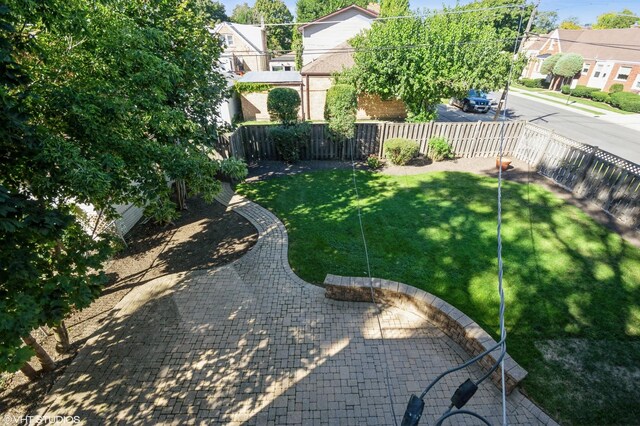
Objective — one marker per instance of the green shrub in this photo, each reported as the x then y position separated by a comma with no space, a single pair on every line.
583,91
289,139
283,104
549,63
439,149
566,89
532,82
374,162
626,101
234,169
600,96
340,110
616,88
400,151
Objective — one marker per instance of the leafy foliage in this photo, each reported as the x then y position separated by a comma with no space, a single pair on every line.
568,65
617,87
213,10
545,21
289,139
452,54
283,104
244,14
600,96
581,91
103,102
507,21
400,151
234,169
626,101
616,20
275,12
340,110
245,87
440,149
549,63
571,23
374,162
532,82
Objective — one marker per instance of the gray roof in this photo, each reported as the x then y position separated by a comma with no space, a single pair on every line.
271,77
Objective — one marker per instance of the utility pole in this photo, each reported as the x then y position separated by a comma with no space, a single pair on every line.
524,39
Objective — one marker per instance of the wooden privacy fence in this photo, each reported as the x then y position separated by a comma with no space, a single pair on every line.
610,182
481,139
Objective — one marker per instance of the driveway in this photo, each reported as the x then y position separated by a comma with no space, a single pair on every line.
251,343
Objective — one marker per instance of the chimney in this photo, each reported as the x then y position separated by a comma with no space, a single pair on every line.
374,7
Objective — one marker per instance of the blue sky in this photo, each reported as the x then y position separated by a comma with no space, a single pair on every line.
585,10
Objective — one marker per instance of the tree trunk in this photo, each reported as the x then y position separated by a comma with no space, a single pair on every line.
45,360
181,194
29,371
62,338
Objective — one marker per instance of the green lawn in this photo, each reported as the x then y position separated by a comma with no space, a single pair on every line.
572,287
562,98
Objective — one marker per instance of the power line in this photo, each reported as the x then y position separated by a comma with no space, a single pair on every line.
389,18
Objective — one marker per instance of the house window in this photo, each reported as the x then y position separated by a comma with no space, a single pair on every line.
585,68
287,68
276,67
623,73
598,70
227,39
636,85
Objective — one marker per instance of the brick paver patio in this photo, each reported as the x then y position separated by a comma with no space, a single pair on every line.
251,343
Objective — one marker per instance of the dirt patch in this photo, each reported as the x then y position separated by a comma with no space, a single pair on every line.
205,236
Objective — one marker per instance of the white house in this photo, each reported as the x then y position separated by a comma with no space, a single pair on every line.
286,62
326,33
245,47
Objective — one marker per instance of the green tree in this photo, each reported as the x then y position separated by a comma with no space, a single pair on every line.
507,17
624,19
545,21
213,10
275,12
340,110
117,99
421,61
549,63
283,104
394,8
571,23
568,65
244,14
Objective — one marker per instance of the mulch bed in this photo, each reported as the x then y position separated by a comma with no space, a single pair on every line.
205,236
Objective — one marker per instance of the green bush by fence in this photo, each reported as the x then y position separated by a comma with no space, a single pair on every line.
283,104
400,151
440,149
289,139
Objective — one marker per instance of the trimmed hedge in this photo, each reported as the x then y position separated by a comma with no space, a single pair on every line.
600,96
616,88
532,82
399,151
289,139
283,104
583,91
565,88
340,110
626,101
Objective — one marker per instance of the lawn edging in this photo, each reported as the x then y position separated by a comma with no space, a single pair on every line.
453,322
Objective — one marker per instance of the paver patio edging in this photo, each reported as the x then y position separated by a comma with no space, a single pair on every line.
453,322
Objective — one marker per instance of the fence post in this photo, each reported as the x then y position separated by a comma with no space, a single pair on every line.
583,174
476,133
381,133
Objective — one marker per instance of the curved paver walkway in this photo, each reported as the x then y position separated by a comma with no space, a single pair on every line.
251,343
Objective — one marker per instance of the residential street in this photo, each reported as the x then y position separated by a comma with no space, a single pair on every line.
615,138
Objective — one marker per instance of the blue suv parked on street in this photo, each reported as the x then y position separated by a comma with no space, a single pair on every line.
476,100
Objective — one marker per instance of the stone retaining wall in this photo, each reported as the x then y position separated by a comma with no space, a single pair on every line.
454,323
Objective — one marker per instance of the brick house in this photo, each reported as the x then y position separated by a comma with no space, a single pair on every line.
610,56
